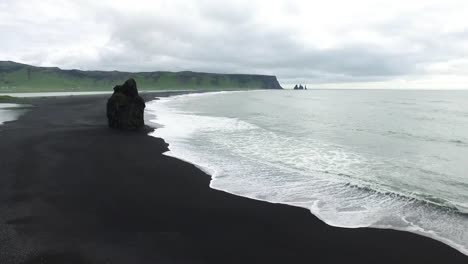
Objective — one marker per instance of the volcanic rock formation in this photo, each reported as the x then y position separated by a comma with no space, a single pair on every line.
125,107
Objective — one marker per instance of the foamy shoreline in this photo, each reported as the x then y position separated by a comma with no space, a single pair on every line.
411,227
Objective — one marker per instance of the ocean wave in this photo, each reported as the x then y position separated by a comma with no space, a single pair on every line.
423,198
457,141
439,101
427,138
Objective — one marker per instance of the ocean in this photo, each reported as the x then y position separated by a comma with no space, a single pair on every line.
394,159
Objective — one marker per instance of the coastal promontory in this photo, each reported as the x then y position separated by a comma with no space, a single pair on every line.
18,77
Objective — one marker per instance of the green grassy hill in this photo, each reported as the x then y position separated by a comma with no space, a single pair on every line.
17,77
5,98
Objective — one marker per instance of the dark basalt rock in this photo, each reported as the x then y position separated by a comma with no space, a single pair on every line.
300,87
125,107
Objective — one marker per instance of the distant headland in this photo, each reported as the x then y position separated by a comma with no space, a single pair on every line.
18,77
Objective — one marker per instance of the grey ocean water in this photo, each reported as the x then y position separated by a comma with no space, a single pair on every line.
355,158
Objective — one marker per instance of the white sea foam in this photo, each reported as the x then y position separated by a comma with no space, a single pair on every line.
342,187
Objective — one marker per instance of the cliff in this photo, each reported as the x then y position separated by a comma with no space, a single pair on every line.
17,77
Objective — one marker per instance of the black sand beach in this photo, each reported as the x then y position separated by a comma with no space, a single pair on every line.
74,191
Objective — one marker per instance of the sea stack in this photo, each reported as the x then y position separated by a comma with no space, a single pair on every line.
125,107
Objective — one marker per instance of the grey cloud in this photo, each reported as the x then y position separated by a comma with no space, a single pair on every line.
215,36
248,49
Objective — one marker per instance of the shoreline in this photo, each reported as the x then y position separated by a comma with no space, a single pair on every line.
74,191
212,171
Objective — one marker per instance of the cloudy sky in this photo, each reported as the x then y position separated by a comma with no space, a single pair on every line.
333,43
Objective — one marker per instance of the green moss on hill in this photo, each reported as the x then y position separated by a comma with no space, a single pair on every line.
6,98
16,77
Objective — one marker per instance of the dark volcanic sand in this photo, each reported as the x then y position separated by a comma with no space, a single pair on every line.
74,191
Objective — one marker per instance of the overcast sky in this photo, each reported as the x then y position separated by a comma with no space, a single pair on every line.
333,43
